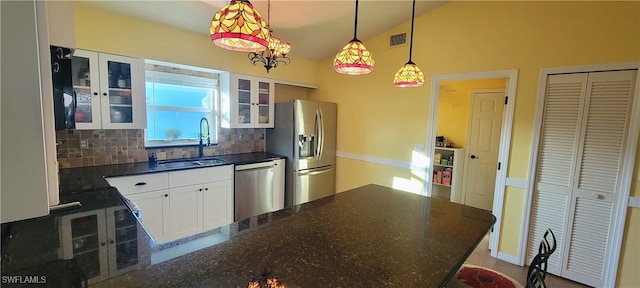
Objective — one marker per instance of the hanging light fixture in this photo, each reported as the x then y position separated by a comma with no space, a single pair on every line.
409,75
238,27
275,53
354,58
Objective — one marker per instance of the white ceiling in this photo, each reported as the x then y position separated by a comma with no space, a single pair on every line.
316,29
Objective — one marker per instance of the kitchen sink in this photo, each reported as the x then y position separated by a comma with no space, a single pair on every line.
191,162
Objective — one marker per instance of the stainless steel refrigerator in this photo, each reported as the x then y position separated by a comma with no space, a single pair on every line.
305,132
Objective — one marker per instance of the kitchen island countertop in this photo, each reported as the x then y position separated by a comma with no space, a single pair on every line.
371,236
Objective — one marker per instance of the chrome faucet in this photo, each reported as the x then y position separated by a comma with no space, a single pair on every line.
201,146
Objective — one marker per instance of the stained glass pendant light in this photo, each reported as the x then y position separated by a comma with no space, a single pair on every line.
409,75
354,58
238,27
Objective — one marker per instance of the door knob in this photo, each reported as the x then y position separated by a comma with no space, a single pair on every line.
474,157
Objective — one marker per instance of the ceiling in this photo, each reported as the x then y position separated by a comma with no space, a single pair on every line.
316,29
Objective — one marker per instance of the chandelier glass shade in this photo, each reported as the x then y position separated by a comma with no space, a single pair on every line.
238,27
354,58
409,75
275,54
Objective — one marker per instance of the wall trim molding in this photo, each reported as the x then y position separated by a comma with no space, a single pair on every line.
518,183
634,202
379,160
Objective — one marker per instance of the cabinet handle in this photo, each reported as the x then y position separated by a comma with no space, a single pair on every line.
140,184
166,195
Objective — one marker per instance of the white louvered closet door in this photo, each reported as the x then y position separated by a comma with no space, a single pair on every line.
595,194
558,150
580,156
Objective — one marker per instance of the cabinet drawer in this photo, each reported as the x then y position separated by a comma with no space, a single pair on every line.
128,185
200,175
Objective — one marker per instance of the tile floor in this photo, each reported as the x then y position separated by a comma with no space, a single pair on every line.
481,257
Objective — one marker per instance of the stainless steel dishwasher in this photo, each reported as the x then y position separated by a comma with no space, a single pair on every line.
254,190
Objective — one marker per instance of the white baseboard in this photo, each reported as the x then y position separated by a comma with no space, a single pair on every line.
634,202
508,258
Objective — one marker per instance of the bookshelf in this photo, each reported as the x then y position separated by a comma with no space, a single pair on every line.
447,175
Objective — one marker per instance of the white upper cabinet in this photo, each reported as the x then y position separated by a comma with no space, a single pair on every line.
250,103
110,91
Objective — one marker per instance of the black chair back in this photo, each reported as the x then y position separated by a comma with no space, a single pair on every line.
538,267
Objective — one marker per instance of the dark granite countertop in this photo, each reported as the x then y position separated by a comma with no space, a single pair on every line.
371,236
92,178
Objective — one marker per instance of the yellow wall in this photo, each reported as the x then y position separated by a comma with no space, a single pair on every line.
454,105
378,120
286,93
628,275
103,31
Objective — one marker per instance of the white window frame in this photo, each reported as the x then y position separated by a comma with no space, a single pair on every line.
195,81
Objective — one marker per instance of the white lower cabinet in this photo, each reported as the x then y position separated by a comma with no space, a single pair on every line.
154,212
185,209
217,204
194,201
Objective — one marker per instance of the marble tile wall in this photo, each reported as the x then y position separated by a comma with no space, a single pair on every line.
103,147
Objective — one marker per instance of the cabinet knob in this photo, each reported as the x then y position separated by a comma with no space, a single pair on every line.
206,189
95,93
474,157
166,195
104,93
200,189
102,244
111,242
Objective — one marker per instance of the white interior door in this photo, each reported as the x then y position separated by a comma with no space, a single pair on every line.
483,146
556,157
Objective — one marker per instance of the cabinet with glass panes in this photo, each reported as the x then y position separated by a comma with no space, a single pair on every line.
109,91
250,103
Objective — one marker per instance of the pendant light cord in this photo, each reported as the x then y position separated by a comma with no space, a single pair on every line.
269,14
413,13
355,27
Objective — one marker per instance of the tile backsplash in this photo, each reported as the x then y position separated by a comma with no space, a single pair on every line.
80,148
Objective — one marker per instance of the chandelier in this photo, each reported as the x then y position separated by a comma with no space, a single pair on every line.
409,75
238,27
276,52
354,58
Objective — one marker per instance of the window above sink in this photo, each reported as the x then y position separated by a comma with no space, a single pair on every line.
177,98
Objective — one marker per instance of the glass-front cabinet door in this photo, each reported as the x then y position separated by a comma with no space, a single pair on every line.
86,85
264,103
245,101
251,102
109,91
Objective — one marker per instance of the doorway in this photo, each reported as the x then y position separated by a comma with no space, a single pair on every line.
440,93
